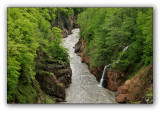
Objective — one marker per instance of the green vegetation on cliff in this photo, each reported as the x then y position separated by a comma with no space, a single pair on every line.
107,31
34,37
30,30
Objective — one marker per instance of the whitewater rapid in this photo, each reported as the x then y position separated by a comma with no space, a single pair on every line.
84,87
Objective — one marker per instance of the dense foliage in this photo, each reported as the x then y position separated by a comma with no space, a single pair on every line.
78,10
30,30
107,31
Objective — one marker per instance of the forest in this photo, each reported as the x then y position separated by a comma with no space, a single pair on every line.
36,56
30,30
107,31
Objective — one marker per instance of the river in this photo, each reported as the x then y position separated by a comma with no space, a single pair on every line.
84,87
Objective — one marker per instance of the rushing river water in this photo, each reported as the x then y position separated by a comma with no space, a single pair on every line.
84,87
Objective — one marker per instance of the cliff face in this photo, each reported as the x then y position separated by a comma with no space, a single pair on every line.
115,78
66,24
80,49
127,91
53,77
135,88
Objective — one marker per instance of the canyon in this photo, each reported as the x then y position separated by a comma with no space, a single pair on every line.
84,87
127,90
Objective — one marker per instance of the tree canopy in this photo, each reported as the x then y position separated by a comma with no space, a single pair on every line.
29,31
107,31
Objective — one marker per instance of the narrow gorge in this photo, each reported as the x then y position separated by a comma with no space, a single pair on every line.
84,87
79,55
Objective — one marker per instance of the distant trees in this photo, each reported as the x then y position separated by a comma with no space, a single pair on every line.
108,30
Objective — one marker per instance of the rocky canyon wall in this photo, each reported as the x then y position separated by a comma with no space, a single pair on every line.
127,90
54,77
66,24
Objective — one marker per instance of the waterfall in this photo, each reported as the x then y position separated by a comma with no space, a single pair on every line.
103,75
122,54
107,66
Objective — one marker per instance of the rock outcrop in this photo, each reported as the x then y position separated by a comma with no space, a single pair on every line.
135,88
69,24
80,49
66,24
53,77
115,78
50,85
127,91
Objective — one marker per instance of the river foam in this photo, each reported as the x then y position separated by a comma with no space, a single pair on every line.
84,87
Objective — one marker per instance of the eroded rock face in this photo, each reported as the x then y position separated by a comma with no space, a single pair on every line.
115,78
62,72
64,33
135,89
80,49
67,31
126,90
65,24
69,24
97,72
53,77
84,58
51,86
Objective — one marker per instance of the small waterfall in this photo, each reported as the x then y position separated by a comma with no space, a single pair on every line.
122,54
107,66
103,75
